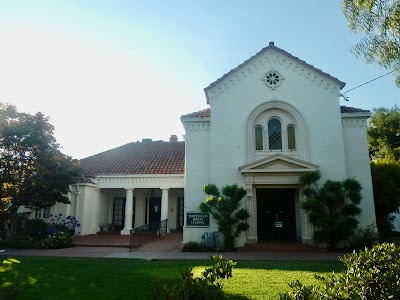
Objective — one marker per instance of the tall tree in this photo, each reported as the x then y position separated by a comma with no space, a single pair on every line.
33,171
386,182
225,208
333,207
384,133
379,22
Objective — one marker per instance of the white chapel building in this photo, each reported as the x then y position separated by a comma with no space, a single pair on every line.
268,121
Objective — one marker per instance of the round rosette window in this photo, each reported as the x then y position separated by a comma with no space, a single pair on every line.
272,79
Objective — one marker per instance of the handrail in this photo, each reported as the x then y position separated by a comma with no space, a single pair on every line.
147,232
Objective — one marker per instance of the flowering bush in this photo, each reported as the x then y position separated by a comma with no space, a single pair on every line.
56,233
69,224
58,239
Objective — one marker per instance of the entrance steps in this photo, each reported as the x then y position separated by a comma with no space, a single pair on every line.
102,239
281,246
114,239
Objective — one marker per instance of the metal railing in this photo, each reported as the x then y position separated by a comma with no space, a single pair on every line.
147,232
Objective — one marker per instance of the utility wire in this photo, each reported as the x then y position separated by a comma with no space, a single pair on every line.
344,94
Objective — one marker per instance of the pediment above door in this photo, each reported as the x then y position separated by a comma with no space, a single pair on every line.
277,164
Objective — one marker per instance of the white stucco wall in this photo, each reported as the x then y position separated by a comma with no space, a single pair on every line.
197,173
358,162
233,102
314,97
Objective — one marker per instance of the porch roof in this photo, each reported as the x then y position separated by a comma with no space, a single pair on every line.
149,157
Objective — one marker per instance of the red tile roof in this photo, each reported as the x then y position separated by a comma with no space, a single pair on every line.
206,113
137,158
348,109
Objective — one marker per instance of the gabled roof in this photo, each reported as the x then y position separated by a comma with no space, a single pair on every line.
271,46
206,113
137,158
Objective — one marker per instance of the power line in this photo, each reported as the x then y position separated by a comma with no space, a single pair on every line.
344,94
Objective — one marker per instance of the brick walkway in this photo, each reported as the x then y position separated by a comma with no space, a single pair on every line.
165,247
166,243
106,239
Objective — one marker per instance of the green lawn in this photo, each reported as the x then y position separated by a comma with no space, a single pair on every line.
90,278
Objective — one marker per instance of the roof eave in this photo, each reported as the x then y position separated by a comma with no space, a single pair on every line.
356,114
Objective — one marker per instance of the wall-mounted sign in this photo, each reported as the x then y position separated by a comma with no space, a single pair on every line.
278,224
198,219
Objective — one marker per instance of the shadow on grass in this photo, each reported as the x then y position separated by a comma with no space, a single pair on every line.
83,278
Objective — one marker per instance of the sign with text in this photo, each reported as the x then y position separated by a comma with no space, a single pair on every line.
198,219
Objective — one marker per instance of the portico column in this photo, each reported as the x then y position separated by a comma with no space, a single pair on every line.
251,232
164,204
128,212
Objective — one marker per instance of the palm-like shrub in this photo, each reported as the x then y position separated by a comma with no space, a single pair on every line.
332,208
225,209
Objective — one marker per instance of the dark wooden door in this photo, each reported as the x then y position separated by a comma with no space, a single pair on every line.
276,215
119,213
154,210
180,213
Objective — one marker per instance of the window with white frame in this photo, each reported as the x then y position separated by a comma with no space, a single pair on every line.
280,132
274,134
42,213
291,137
259,133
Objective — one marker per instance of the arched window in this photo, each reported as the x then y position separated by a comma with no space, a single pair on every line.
274,134
291,135
259,138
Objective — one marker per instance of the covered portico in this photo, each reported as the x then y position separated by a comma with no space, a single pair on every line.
143,185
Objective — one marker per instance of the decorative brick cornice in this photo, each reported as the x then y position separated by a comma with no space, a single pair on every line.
196,126
349,123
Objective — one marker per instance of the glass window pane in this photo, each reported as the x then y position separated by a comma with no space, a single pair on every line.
259,138
46,212
274,134
291,138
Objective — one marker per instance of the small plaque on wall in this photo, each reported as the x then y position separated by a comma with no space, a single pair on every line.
198,219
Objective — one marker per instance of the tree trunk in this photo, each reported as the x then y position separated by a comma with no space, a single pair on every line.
10,222
6,226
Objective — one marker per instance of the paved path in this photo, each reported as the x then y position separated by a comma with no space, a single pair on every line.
104,252
168,247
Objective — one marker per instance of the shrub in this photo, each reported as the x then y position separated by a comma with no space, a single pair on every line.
298,291
188,287
192,247
21,240
365,238
332,207
37,233
370,274
56,240
34,227
225,208
386,183
9,291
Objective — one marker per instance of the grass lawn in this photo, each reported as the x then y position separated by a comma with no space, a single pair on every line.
94,278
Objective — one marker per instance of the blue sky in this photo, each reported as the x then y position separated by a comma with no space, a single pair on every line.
111,72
